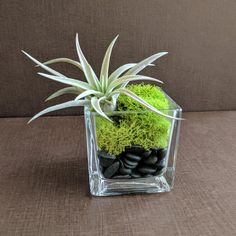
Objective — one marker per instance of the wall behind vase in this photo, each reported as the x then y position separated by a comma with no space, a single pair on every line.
199,73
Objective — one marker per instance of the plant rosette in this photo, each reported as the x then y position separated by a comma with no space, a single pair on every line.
132,130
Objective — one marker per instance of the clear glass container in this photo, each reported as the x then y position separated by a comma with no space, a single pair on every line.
160,181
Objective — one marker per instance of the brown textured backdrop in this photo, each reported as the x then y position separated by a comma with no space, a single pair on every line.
200,36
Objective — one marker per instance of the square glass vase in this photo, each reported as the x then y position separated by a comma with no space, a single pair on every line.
135,169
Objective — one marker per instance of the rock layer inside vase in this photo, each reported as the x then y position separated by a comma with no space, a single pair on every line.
134,162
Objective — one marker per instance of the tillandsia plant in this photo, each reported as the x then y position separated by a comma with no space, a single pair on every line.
100,94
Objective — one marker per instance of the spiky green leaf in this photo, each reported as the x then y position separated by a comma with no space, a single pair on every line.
72,90
66,60
119,71
128,78
106,62
59,107
88,93
140,66
88,71
65,80
144,63
54,72
103,83
95,102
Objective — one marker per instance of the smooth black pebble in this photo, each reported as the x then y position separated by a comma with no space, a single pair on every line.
121,177
130,164
105,159
132,157
150,160
125,171
155,151
158,172
136,149
146,154
147,175
111,170
161,164
146,170
135,174
121,163
161,153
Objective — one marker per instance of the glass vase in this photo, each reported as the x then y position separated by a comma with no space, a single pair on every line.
135,168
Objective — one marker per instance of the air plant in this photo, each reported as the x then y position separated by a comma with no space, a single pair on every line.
100,94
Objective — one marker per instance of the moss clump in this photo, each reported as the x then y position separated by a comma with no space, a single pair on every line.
146,129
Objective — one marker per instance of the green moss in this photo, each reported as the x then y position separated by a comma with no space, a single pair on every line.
147,128
150,93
